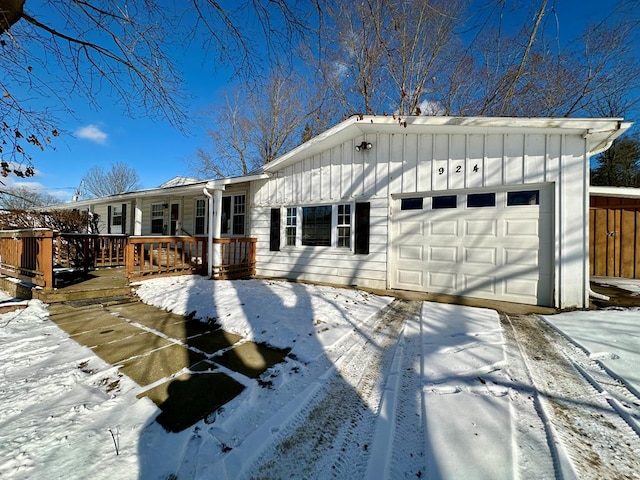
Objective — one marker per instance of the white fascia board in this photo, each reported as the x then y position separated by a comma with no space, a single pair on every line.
221,183
599,132
616,192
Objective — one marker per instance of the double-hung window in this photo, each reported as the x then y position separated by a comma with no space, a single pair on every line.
157,218
291,228
200,222
233,214
344,226
116,216
319,226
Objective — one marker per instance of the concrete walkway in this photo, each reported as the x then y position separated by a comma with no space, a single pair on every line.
187,367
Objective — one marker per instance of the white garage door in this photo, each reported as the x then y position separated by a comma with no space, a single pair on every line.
491,244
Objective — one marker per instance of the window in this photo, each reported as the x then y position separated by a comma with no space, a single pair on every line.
525,197
481,200
444,201
411,203
233,215
316,226
157,218
319,226
200,217
291,228
344,226
116,215
239,207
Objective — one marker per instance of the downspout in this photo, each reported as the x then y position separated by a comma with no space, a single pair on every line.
209,233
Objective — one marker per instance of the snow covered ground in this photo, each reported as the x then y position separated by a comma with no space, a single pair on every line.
372,388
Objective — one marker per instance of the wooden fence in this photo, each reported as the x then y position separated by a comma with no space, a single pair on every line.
614,241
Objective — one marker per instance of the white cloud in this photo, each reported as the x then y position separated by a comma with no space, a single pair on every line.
430,107
92,133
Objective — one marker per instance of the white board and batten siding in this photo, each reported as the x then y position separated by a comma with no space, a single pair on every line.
549,238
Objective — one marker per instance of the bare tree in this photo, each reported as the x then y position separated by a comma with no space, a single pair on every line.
230,140
462,58
79,48
120,178
256,125
24,197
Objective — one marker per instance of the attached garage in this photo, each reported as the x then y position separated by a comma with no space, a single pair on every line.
494,244
494,208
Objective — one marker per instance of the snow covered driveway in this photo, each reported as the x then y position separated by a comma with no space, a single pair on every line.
373,388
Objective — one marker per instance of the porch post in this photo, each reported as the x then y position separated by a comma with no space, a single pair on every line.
215,225
216,252
137,226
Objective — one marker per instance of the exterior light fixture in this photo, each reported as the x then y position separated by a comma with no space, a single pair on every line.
364,146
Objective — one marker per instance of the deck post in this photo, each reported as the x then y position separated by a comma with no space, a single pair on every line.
44,256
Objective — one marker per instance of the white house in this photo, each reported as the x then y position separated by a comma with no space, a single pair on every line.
493,208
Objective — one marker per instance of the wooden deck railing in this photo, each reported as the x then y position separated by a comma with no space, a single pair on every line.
238,258
161,256
88,251
27,255
32,255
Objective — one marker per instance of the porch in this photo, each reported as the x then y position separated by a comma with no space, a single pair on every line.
66,264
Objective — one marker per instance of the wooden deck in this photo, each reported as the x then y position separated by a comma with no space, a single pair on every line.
99,283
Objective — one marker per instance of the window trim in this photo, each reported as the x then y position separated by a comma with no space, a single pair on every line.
233,214
205,216
157,217
334,227
116,212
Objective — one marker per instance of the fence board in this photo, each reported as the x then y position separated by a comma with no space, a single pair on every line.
614,241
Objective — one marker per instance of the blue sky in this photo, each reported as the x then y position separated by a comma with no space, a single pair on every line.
154,148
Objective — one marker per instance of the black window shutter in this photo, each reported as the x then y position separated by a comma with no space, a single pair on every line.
124,218
109,219
274,236
362,228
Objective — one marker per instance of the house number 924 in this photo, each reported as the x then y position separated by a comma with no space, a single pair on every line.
458,169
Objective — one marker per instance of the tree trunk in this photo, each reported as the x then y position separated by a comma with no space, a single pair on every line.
10,12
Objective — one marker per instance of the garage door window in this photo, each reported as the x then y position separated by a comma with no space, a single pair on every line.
526,197
481,200
444,201
411,203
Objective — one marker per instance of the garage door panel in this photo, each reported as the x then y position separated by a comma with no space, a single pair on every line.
411,252
480,256
411,279
521,227
522,287
485,284
411,228
442,282
443,254
520,256
443,227
481,227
